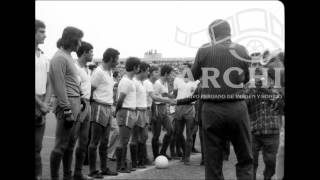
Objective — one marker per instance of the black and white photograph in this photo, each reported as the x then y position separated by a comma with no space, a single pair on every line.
159,90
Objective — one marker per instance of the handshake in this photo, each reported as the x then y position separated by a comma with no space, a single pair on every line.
172,101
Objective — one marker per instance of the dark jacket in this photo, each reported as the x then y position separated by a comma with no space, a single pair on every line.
222,56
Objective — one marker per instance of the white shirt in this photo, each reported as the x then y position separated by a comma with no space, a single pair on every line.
85,81
149,87
42,69
160,88
128,87
141,93
103,81
185,89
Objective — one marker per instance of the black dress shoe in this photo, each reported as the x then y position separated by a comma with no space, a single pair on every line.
80,177
167,156
96,175
175,157
108,172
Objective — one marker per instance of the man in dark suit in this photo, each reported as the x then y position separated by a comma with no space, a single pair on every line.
224,69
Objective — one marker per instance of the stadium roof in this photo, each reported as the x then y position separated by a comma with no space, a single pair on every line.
156,59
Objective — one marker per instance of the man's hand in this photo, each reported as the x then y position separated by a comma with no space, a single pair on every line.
113,111
83,104
44,108
173,102
68,118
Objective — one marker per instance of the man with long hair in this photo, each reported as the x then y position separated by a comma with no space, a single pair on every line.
66,87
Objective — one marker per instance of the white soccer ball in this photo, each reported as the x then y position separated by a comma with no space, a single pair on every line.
161,162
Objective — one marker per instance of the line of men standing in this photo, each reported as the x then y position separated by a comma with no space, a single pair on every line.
81,101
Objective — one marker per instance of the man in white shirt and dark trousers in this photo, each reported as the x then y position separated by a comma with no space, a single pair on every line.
138,146
81,127
102,99
126,111
154,74
185,114
43,94
160,117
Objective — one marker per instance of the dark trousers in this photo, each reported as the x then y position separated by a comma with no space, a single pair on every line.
160,118
139,135
177,146
124,135
38,146
223,121
185,117
82,133
269,145
63,148
201,141
99,136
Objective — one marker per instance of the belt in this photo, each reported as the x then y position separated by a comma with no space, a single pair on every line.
86,100
185,105
162,104
103,104
223,100
129,109
141,109
73,96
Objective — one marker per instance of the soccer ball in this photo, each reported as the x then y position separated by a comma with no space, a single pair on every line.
161,162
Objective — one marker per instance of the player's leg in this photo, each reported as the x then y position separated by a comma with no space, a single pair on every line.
190,128
104,141
133,146
173,152
39,133
113,139
149,128
256,148
142,138
123,118
166,123
180,142
194,136
63,135
269,151
68,153
124,140
96,133
86,160
156,130
82,143
142,150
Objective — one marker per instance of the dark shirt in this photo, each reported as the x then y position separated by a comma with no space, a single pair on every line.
219,56
265,112
64,78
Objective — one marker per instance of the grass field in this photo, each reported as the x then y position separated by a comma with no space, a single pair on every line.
176,170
